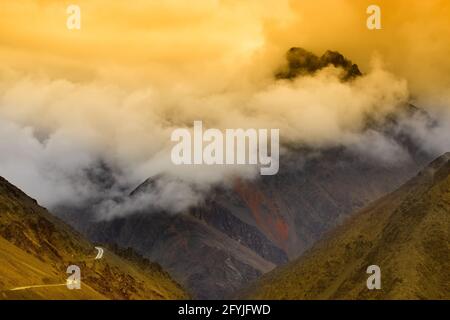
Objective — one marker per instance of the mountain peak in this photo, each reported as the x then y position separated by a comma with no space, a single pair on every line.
302,62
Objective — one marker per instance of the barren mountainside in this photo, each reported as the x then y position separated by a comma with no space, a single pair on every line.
36,248
406,233
248,230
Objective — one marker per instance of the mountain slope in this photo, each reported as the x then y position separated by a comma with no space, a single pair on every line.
251,228
256,225
406,233
36,249
191,250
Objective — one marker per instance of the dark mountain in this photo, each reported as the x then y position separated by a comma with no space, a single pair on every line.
302,62
242,232
406,233
36,248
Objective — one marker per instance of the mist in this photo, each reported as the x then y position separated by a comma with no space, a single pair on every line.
69,102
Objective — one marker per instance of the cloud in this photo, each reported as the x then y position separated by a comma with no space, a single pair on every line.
166,194
431,135
52,170
114,91
63,129
380,147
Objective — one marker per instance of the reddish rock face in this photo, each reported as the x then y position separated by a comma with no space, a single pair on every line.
265,212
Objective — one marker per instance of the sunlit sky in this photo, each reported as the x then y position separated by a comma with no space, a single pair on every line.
115,89
203,37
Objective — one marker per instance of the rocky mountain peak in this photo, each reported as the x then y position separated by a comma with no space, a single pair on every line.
302,62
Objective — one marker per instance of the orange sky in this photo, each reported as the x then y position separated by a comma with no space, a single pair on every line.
138,69
166,39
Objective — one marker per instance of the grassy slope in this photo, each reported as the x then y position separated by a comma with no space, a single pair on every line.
36,248
405,233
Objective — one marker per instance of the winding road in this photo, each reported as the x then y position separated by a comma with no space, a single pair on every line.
100,252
